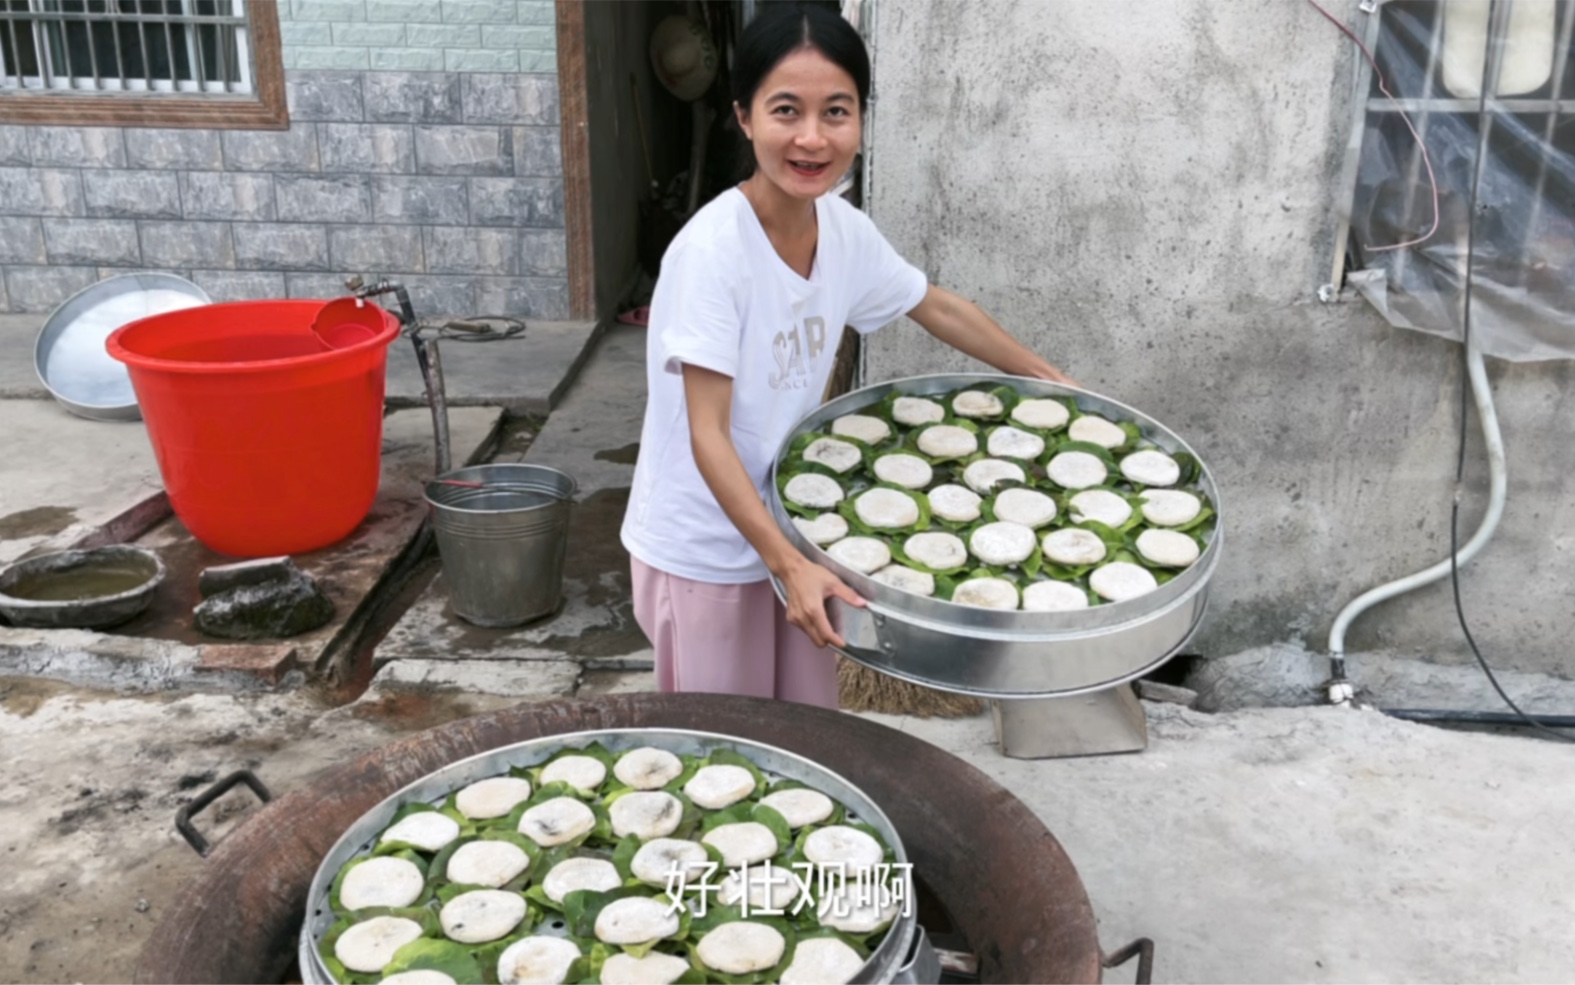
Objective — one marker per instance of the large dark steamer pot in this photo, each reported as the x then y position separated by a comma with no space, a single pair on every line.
1009,654
1011,892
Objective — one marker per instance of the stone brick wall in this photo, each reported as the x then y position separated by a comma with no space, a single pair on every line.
450,181
420,35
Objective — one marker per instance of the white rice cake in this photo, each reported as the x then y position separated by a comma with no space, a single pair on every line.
955,503
886,509
648,768
636,920
865,555
986,593
656,860
908,471
655,968
1119,581
368,946
1029,507
742,843
853,912
1073,547
1041,413
779,894
822,961
719,785
1009,442
842,846
1097,431
492,797
906,579
870,430
812,490
537,960
800,806
583,773
916,411
481,915
486,862
947,441
557,821
1151,468
824,529
594,874
646,814
1101,506
1170,548
1002,543
1170,507
983,475
382,881
977,404
936,549
1076,470
429,831
741,948
1053,596
839,456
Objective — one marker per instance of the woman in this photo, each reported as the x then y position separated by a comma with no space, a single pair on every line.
747,314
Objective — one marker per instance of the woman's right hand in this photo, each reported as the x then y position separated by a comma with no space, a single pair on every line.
808,586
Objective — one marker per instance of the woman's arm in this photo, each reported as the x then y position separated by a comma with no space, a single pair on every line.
962,325
709,396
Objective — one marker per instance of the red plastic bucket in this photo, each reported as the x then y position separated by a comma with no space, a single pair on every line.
267,443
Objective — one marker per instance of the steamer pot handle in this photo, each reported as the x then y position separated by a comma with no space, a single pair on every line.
923,965
1143,950
183,817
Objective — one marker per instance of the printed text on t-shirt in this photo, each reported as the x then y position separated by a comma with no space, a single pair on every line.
789,348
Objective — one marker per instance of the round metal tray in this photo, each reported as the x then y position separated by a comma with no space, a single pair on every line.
994,653
69,354
885,963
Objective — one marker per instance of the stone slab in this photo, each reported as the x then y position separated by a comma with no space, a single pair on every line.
267,662
529,374
62,477
536,680
593,436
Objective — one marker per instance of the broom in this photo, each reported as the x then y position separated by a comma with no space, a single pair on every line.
861,689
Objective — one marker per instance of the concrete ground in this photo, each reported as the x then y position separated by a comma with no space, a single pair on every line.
1281,844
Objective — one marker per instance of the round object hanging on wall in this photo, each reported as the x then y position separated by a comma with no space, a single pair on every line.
683,57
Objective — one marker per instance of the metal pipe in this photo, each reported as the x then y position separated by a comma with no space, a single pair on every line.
1340,690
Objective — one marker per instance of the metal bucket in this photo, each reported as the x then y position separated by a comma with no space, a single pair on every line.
502,541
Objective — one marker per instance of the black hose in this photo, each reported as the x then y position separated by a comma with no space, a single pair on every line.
1448,716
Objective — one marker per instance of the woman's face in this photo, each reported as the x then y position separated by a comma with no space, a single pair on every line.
804,124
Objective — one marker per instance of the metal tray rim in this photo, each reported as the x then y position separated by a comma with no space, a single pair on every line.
892,950
1004,625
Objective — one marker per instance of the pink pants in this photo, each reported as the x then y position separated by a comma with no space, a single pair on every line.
729,639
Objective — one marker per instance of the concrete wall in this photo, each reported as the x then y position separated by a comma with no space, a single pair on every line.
450,180
1146,193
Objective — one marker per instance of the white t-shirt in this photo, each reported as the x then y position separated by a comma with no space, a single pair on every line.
727,302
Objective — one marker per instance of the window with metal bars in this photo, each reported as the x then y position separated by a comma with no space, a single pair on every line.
1466,103
125,45
141,62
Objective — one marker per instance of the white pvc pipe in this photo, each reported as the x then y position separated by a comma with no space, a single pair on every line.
1497,482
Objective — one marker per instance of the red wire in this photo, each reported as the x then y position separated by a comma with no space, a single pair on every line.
1383,87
